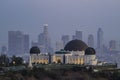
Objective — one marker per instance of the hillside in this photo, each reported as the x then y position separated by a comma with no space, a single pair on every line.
59,74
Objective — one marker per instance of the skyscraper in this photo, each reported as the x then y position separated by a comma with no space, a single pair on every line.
3,50
78,35
26,43
99,38
18,43
112,45
65,39
59,45
41,39
15,42
91,41
44,40
73,37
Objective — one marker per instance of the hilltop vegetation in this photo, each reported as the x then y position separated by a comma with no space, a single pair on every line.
60,74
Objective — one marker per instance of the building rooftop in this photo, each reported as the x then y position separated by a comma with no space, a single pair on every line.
76,45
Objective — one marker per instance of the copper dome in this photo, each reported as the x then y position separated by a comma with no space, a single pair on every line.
76,45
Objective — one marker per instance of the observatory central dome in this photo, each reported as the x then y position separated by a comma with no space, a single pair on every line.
76,45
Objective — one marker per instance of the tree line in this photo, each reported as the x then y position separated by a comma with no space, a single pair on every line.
6,61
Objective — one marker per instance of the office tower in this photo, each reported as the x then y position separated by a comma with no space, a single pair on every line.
78,35
41,43
44,40
99,38
18,43
112,45
41,39
46,30
59,45
3,50
26,43
65,39
15,42
91,41
73,37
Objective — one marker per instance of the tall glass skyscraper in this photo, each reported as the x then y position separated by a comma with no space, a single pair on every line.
91,40
44,40
99,38
26,43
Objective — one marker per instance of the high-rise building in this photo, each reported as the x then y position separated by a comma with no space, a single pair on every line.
18,43
44,40
99,38
3,50
59,45
47,39
65,39
41,39
91,40
112,45
15,42
78,35
73,37
26,43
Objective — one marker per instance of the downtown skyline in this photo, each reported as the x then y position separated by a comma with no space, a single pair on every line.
63,18
44,39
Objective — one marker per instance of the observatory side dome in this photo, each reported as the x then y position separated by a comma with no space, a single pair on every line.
90,51
34,50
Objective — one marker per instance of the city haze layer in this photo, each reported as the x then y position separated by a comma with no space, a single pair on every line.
64,18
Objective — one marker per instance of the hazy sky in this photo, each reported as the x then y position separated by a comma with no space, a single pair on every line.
62,16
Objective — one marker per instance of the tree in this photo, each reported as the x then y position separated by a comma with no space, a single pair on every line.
4,60
16,60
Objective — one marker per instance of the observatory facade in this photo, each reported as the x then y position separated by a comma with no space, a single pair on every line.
75,52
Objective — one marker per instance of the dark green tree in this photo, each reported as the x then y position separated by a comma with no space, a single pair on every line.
4,60
16,60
